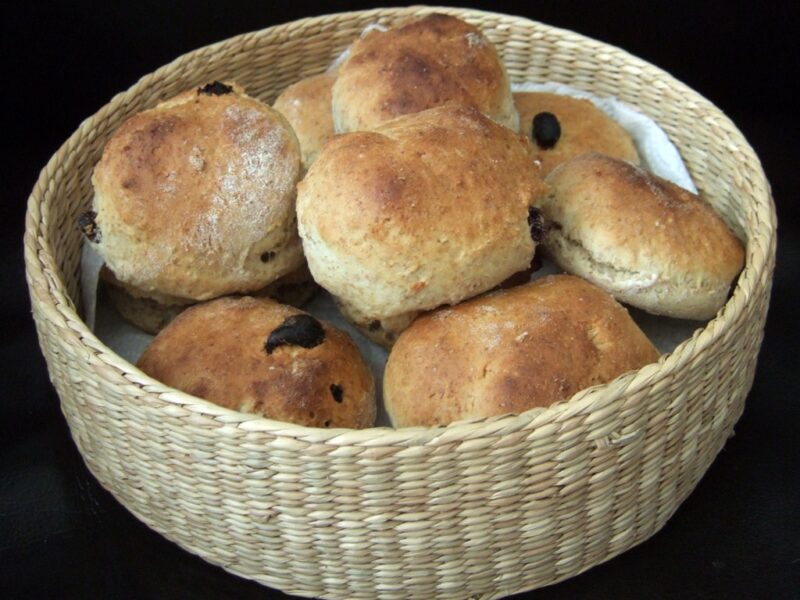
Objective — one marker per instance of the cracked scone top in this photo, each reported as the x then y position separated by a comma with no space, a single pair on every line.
195,198
643,239
417,65
428,209
510,351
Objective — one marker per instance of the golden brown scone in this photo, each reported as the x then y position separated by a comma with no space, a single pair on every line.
583,128
384,331
307,106
151,315
428,209
148,314
510,351
295,288
195,197
258,356
643,239
418,65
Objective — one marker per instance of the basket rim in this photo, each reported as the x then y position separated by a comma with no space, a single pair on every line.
40,265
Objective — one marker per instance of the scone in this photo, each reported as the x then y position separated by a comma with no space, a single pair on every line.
643,239
510,351
195,198
307,106
142,311
418,65
151,316
295,288
257,356
563,127
428,209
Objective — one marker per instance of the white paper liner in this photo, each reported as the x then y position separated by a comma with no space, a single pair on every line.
91,263
653,145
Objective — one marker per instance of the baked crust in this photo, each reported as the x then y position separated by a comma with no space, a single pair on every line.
510,351
418,65
428,209
584,128
643,239
307,106
195,198
152,314
217,351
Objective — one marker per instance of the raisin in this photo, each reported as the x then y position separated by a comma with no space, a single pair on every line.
215,89
374,325
536,224
86,223
337,392
327,423
267,256
546,130
297,330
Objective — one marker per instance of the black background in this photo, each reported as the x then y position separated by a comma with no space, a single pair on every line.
61,535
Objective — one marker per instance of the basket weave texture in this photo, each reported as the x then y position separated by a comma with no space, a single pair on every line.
479,509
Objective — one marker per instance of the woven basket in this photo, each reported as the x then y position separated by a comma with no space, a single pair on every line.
474,509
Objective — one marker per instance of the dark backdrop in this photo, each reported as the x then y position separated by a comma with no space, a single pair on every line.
61,535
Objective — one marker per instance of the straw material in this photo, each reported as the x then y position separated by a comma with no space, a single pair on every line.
478,509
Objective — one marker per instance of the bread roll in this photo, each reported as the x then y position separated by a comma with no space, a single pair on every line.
428,209
643,239
295,288
146,313
581,127
510,351
195,198
418,65
258,356
307,106
151,315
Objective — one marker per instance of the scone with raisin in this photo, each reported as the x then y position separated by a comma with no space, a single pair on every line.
257,356
195,198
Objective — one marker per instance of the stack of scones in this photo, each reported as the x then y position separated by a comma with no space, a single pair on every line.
417,190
